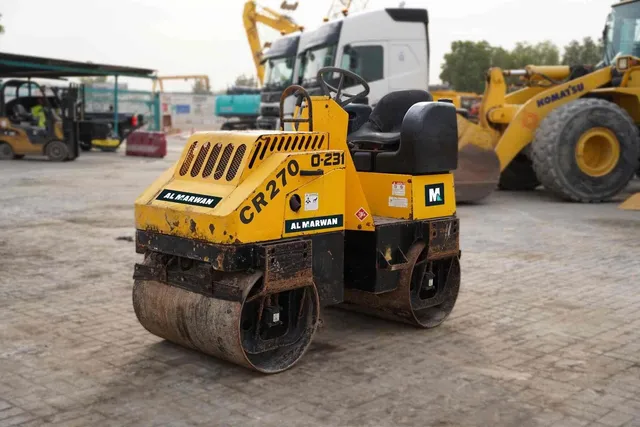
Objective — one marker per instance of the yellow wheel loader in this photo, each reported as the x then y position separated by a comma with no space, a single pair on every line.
250,233
573,129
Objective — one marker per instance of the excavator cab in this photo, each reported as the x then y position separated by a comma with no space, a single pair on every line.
250,234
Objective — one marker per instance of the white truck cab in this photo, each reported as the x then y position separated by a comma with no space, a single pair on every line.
279,62
389,48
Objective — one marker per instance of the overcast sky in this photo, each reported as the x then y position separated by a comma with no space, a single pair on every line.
207,36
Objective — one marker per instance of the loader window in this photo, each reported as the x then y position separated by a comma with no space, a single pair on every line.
622,32
365,61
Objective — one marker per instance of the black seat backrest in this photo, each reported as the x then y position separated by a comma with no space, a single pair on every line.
19,110
358,115
390,110
428,141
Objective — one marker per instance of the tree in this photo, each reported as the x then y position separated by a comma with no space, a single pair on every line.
246,81
544,53
1,26
586,53
465,67
200,87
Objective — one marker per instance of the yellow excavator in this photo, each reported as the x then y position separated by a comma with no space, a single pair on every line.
254,14
572,129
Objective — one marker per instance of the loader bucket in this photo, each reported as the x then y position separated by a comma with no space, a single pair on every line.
631,204
478,169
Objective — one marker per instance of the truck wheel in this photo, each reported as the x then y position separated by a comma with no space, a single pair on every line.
57,151
586,151
6,152
85,146
519,175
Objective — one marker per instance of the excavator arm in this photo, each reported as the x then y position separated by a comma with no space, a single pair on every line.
252,16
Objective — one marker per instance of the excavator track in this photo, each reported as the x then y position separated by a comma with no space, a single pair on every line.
425,295
250,326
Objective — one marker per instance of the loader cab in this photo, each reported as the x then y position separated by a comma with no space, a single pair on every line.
396,61
25,131
621,34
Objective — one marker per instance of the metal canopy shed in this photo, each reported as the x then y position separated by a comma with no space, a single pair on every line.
24,66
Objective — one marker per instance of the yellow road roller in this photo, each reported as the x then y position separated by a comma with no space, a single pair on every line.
250,233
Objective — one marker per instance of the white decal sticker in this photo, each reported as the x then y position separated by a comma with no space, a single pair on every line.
398,188
311,201
398,202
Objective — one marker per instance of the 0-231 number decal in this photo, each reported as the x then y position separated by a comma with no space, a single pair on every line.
327,159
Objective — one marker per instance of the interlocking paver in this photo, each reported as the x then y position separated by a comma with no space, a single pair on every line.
546,331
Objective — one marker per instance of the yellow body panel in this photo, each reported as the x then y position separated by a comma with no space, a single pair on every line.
406,196
389,195
323,206
237,187
330,117
18,139
433,196
631,204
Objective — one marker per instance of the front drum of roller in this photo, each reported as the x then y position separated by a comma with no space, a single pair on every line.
231,330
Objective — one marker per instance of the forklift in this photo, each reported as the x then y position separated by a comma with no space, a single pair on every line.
55,136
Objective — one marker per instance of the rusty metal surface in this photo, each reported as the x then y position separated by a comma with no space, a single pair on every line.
400,304
444,239
221,257
477,174
214,326
286,265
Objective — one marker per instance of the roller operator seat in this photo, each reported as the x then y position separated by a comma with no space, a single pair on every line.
407,133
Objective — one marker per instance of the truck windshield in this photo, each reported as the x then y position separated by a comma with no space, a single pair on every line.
313,60
622,32
279,72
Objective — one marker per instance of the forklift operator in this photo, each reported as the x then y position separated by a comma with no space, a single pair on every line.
37,111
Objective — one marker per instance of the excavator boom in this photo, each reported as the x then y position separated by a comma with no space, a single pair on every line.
252,16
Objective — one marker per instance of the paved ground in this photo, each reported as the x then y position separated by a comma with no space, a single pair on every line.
546,331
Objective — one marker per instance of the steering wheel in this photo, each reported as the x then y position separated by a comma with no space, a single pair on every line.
327,88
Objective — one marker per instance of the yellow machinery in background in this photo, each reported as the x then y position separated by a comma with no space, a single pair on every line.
465,100
202,78
252,15
573,129
250,233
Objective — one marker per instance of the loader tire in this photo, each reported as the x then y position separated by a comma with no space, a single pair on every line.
555,158
519,175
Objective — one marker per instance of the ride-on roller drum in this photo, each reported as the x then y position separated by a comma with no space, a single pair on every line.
250,233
